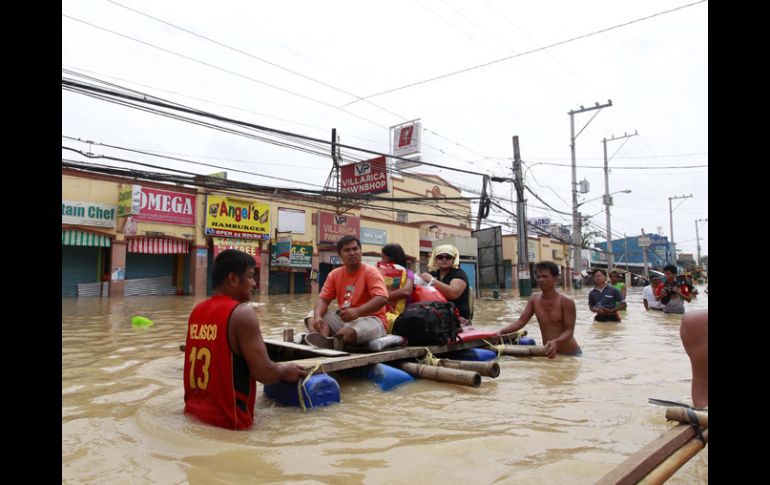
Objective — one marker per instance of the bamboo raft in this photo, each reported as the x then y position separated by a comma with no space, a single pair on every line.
660,459
460,372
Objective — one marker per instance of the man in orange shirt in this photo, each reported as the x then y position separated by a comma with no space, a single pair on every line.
361,297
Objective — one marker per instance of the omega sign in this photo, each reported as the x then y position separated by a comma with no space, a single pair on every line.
165,206
367,177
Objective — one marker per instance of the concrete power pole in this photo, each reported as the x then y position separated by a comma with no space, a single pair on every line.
697,237
522,266
671,225
576,222
607,198
644,255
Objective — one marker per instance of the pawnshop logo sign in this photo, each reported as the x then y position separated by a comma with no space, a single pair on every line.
367,177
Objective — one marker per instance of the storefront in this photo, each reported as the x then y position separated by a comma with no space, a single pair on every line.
236,223
156,266
158,225
84,259
87,232
290,266
219,244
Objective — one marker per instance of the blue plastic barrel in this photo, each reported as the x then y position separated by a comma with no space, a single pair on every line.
475,354
386,377
526,341
319,390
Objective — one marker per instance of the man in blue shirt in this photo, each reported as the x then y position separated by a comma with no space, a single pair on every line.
605,300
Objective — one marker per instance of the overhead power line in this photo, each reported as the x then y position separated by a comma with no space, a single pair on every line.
531,51
121,97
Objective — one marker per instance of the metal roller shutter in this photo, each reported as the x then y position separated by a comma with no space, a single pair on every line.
78,265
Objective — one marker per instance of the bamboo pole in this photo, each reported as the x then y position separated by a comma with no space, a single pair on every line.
487,369
522,350
687,415
441,374
665,470
641,463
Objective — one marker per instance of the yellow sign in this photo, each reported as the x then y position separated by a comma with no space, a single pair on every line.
229,217
129,198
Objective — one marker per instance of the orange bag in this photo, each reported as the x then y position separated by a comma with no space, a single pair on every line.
426,293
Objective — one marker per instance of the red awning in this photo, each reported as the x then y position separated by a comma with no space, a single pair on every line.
157,245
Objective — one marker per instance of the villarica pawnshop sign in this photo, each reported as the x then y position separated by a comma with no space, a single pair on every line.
244,219
368,177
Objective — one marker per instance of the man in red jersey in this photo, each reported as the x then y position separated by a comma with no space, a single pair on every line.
224,350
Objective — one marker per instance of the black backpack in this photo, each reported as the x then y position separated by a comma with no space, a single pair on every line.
428,323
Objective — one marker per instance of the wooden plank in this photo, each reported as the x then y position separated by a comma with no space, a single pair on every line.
641,463
332,364
665,470
306,349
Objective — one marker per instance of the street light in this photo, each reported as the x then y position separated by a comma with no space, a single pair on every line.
626,191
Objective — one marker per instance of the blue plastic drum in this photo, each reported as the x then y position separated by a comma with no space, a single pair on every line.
319,390
526,341
475,354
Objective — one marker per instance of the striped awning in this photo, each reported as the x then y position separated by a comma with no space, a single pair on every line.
73,237
157,245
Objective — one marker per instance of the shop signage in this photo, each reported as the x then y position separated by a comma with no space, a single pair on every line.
406,138
367,177
248,246
88,213
155,205
291,220
301,254
332,227
129,199
373,236
229,217
279,254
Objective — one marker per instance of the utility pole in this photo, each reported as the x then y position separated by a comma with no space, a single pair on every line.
671,225
576,222
625,249
482,203
644,254
333,180
522,266
697,237
607,198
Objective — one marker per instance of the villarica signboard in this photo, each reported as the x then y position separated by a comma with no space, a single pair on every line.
230,217
331,227
368,177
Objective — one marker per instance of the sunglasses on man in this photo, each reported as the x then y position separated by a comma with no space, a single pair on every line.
444,256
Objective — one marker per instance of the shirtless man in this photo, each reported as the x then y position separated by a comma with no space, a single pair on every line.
555,313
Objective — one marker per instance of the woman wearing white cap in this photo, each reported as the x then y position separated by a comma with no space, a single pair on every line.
446,276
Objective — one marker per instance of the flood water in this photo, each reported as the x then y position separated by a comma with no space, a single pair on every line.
566,420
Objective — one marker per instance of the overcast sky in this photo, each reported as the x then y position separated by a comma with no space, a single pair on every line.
655,71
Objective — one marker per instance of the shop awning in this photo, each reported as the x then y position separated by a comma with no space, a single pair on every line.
73,237
157,245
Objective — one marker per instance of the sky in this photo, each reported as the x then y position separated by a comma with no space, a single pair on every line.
303,67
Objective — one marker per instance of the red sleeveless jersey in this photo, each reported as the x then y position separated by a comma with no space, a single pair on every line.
218,388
